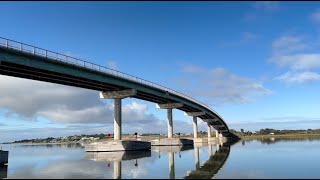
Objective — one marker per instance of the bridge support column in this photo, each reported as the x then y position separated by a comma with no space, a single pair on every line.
170,141
195,127
217,134
220,139
209,131
194,115
170,125
210,138
117,119
118,144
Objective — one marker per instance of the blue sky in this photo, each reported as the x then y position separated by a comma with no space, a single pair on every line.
256,63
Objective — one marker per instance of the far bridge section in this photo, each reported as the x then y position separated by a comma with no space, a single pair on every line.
30,62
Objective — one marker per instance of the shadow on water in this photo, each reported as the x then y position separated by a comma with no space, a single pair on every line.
3,171
212,166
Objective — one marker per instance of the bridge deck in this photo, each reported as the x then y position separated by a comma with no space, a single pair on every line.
18,62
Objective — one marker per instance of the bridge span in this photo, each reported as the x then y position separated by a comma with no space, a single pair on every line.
25,61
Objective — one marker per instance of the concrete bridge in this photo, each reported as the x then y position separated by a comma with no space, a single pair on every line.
30,62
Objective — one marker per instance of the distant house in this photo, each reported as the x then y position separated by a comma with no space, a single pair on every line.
271,133
85,138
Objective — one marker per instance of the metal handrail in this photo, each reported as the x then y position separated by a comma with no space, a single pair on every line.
26,48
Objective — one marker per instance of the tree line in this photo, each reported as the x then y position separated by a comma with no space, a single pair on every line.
267,131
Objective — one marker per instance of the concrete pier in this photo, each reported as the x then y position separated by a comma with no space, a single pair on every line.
217,134
171,142
117,119
4,156
169,108
195,115
196,139
118,145
195,127
170,125
209,130
210,138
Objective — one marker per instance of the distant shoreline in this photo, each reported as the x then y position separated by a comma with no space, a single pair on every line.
26,143
280,136
148,138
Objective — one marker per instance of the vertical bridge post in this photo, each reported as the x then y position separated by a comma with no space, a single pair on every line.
169,108
118,96
195,123
209,131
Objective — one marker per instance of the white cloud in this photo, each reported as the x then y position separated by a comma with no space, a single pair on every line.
64,104
297,77
245,38
112,65
298,61
260,9
288,44
315,16
287,52
31,100
283,122
219,86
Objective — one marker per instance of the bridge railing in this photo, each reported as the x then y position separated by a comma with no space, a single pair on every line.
50,55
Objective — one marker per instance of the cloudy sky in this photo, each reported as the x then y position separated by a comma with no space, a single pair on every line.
256,63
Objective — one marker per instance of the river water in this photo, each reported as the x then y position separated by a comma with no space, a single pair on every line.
264,158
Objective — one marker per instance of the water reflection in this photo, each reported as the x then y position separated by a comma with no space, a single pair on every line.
213,164
117,158
167,149
170,150
58,145
3,171
272,140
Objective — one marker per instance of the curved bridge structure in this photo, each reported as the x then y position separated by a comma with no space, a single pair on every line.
30,62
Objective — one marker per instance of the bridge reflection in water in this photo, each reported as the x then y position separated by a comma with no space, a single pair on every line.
117,158
206,171
215,162
171,150
3,171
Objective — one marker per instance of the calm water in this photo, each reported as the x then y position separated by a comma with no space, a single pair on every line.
268,158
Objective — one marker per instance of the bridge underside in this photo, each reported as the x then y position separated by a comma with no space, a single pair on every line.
30,70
